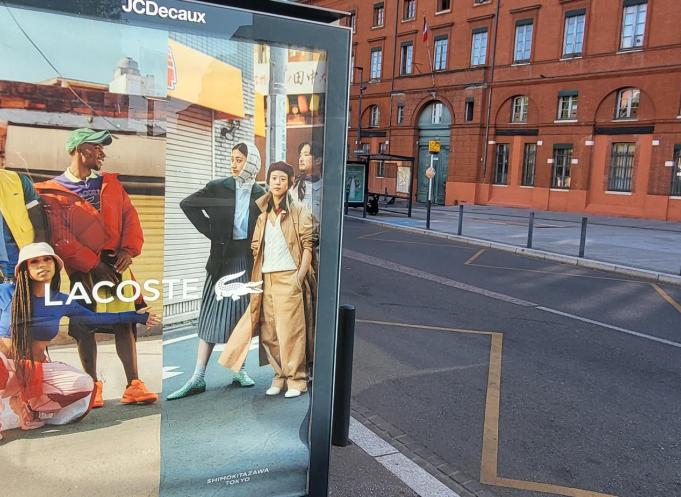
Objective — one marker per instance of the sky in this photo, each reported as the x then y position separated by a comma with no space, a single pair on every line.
81,49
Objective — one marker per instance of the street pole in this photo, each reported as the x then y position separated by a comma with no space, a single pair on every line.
430,192
530,230
359,110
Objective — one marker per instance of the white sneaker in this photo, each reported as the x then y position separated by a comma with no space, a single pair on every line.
274,391
292,392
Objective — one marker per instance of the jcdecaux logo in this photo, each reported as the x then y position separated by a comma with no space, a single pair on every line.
151,8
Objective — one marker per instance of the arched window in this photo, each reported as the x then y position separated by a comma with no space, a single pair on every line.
374,116
519,109
627,103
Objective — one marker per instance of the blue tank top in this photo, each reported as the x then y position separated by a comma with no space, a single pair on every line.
45,322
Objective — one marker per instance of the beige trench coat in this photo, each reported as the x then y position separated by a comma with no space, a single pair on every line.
300,233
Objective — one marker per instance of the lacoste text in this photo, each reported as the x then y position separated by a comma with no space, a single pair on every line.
151,8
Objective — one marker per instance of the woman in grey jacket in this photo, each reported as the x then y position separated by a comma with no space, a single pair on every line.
225,212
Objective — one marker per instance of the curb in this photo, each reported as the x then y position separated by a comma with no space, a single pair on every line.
644,274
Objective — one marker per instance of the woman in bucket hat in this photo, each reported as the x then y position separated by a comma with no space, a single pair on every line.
34,390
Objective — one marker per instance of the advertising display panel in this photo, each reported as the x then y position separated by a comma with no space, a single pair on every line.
171,185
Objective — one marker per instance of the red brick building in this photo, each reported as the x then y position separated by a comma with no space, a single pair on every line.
570,105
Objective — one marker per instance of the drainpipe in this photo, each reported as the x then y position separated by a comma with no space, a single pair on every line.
489,92
392,78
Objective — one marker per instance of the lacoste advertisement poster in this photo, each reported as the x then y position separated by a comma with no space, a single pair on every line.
161,194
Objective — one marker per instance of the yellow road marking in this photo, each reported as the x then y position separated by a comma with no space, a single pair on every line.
474,257
547,488
425,327
667,297
490,441
417,243
374,234
490,434
571,275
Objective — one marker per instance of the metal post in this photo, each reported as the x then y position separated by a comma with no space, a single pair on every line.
359,111
530,230
460,229
343,377
347,194
582,239
430,193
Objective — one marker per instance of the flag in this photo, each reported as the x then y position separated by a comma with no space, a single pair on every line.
425,30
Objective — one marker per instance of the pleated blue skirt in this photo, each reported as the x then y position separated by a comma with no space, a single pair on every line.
218,318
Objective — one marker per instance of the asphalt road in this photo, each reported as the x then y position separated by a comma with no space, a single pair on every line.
588,400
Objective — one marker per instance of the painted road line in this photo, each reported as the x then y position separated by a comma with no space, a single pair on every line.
558,273
667,297
490,443
610,326
474,257
371,235
548,488
392,266
180,339
407,471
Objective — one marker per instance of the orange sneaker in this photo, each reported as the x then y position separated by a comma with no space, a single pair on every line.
97,394
137,393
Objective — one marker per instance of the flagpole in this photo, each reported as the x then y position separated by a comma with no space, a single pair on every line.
430,57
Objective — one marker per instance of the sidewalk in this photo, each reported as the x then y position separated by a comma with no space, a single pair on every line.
645,248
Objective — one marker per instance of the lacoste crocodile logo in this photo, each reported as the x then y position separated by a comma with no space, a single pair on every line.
224,289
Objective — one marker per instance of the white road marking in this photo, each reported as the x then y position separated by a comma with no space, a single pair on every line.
180,339
169,373
392,266
612,327
407,471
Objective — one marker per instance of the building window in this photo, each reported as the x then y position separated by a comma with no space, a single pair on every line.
676,172
501,165
364,149
374,117
621,167
470,106
479,47
436,115
440,63
529,162
382,148
443,5
567,105
400,114
519,109
353,21
379,15
627,103
574,33
633,24
407,61
380,169
376,61
523,41
409,10
560,173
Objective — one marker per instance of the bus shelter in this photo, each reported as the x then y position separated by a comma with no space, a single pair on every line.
390,177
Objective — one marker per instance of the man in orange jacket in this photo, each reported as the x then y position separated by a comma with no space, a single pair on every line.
97,232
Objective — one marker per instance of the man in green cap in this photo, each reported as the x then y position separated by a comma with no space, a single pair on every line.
97,232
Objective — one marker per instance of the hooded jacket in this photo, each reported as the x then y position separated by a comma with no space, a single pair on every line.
80,232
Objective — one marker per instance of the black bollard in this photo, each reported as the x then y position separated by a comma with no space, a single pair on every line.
343,378
582,238
460,229
530,230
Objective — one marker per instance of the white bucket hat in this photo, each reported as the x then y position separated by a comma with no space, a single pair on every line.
33,250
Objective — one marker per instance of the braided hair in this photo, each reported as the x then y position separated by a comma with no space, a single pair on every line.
20,327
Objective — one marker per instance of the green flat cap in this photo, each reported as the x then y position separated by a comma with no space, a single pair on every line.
87,135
